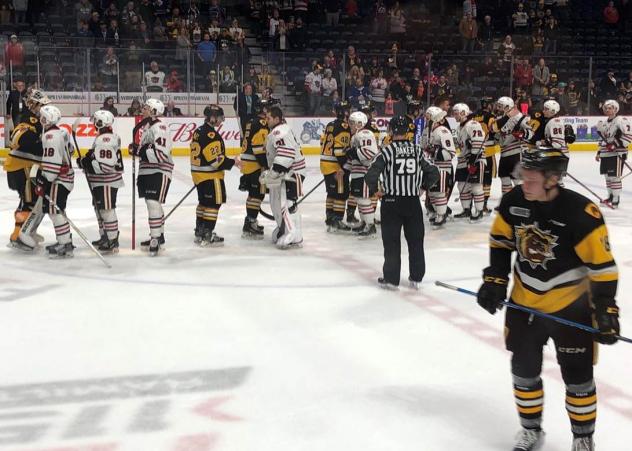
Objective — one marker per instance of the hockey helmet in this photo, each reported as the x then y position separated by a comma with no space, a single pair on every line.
102,119
486,101
505,104
36,97
214,111
156,107
551,161
552,107
435,114
368,108
342,110
49,115
358,120
611,104
461,111
413,107
398,125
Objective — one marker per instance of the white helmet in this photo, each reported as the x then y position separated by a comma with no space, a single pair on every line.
49,115
461,111
611,103
156,106
358,119
435,114
102,118
552,106
505,104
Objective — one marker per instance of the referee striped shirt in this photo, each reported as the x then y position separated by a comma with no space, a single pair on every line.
401,165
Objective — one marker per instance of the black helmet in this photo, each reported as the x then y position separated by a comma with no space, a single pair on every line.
213,110
342,110
485,101
398,125
413,107
545,160
368,108
263,105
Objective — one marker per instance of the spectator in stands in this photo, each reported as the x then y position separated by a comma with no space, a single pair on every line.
267,96
551,32
109,64
313,87
608,87
273,23
593,106
469,32
245,104
174,84
101,38
265,79
146,11
389,105
611,16
523,101
574,107
486,34
541,78
392,60
14,53
16,102
235,30
352,57
94,23
298,36
378,87
281,39
97,86
332,11
206,53
355,73
108,105
358,94
333,61
506,50
171,110
441,89
143,35
380,17
300,10
553,82
537,42
135,109
160,38
83,11
523,74
416,83
351,10
154,78
396,87
397,19
452,76
183,44
520,19
253,78
330,85
227,80
111,12
216,11
469,7
114,33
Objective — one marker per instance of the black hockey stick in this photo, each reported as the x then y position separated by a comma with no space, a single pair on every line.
180,202
534,312
295,205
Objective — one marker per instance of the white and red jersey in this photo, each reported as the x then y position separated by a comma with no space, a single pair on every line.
365,144
283,149
617,131
442,148
471,140
554,134
57,157
107,165
155,150
504,129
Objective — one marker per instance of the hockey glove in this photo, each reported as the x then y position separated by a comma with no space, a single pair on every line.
41,185
63,170
352,153
272,178
493,291
611,147
607,317
518,134
133,149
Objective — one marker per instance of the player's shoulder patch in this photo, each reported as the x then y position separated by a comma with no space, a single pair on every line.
211,135
33,120
344,125
593,210
262,122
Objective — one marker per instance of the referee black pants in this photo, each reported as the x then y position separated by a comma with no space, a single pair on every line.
398,212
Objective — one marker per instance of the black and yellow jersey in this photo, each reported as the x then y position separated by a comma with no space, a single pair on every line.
562,246
253,146
487,120
334,144
26,143
537,122
208,155
372,127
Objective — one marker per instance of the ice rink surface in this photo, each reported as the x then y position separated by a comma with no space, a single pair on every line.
247,347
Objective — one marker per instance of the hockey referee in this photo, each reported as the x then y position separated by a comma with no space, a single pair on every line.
404,172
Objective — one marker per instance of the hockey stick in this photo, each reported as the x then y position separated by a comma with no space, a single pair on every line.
180,202
76,229
602,201
534,312
295,205
74,137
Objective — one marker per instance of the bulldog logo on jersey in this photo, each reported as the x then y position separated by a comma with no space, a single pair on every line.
535,245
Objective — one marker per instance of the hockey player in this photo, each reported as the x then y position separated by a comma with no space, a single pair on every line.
103,165
413,110
616,135
334,145
512,130
564,267
154,171
54,181
442,151
208,163
253,162
26,150
371,114
471,162
486,118
284,179
361,154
